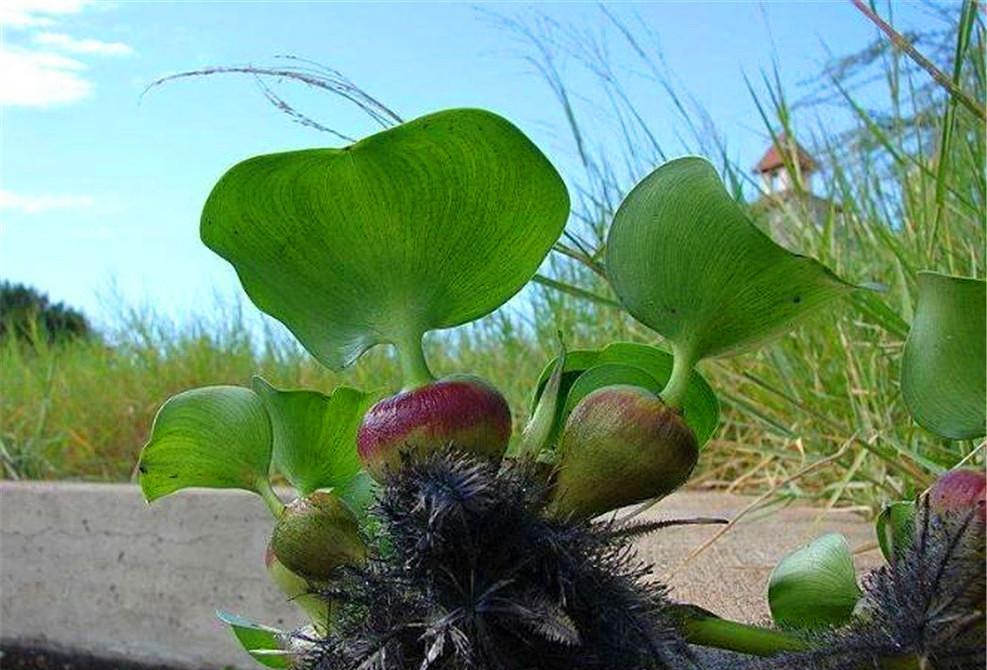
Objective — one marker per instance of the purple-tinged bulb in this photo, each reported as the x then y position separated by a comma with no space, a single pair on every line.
959,491
460,411
620,445
317,534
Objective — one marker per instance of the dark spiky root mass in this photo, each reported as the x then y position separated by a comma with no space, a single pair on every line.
926,606
470,575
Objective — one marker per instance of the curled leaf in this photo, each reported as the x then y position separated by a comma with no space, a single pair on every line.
538,432
942,372
257,640
633,364
895,528
686,261
814,587
315,434
214,437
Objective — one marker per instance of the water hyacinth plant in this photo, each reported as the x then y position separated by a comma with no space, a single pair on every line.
424,536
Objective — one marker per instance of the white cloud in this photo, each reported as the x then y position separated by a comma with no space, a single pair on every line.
43,202
40,79
64,42
42,68
32,13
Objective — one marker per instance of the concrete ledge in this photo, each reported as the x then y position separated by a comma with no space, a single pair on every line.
91,567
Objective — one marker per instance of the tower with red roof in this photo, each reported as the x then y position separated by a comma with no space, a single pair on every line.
784,166
787,202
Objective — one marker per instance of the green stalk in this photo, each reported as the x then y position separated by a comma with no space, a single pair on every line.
414,367
705,629
910,662
270,497
708,630
674,392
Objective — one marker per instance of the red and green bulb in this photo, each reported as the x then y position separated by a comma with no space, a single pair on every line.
461,411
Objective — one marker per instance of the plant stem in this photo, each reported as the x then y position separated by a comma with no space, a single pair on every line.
674,392
414,367
270,497
909,662
708,630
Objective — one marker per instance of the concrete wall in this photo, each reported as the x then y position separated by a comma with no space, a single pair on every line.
93,568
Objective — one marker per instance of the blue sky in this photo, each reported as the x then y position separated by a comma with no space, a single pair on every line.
100,192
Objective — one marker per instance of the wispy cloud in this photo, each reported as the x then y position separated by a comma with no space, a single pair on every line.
42,202
45,69
64,42
40,79
35,13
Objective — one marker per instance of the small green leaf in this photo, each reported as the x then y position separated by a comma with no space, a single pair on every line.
257,640
700,407
896,528
686,261
215,437
815,586
358,493
608,374
427,225
576,362
537,435
942,373
315,434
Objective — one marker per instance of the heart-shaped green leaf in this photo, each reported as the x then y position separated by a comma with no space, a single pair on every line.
895,528
315,434
942,373
427,225
637,365
686,261
815,586
256,639
214,437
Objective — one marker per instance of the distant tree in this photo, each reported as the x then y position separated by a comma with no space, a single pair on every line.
27,314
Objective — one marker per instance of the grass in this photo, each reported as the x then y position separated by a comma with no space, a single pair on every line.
907,174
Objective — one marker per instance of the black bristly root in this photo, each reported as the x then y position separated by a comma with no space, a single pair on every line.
471,575
640,528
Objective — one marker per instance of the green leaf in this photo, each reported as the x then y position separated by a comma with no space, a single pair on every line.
896,528
538,432
686,261
427,225
358,493
815,586
942,373
576,362
215,437
256,639
315,434
608,374
635,364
